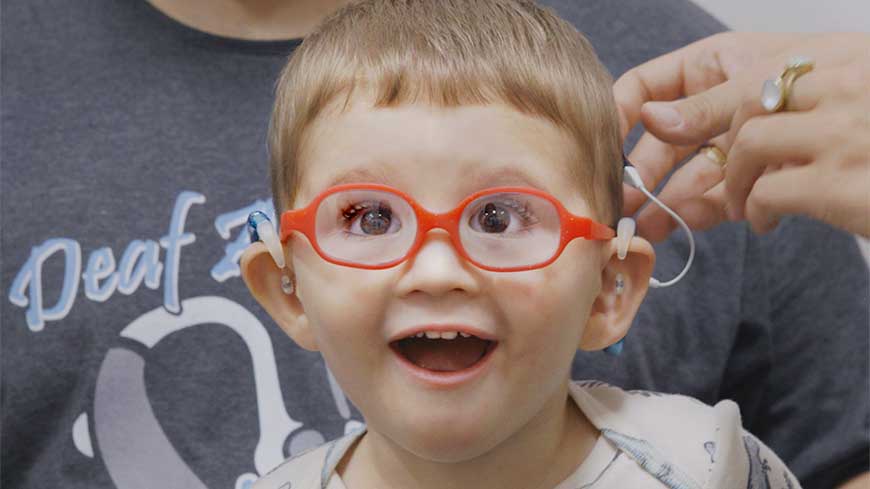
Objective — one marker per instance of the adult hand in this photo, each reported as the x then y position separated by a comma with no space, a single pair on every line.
813,159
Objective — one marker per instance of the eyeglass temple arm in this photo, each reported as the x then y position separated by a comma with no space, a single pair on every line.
297,220
600,231
588,229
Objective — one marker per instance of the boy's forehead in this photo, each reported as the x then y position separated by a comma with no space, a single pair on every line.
474,175
468,147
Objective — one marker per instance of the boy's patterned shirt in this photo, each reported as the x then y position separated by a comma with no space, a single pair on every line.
648,440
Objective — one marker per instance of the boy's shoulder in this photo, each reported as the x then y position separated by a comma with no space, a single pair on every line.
310,469
680,440
649,411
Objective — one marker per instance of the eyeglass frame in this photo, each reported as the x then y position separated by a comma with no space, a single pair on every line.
571,226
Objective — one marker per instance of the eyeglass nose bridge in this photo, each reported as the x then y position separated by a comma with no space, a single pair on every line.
427,221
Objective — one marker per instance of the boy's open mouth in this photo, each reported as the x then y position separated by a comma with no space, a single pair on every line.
443,355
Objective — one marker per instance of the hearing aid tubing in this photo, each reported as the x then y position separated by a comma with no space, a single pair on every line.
627,226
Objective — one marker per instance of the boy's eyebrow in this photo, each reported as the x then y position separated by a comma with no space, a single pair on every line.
506,175
373,174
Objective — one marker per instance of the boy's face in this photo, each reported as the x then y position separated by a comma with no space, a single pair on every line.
539,318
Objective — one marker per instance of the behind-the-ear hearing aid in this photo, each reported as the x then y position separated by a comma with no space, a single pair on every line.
624,233
260,229
626,227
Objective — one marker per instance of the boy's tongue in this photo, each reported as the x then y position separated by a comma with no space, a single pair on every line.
443,355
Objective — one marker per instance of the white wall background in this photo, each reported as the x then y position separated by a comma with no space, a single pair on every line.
794,16
791,15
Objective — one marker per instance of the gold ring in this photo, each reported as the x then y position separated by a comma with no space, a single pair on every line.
715,154
775,93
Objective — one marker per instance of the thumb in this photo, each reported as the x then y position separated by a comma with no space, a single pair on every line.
695,119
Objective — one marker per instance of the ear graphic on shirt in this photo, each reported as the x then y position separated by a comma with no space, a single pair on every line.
267,284
616,305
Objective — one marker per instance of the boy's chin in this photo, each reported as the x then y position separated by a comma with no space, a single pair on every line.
447,444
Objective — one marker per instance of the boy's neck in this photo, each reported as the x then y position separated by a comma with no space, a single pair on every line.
256,20
539,456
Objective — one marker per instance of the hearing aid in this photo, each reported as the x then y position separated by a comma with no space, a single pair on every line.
260,229
624,232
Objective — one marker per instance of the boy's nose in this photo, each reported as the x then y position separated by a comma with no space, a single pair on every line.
437,268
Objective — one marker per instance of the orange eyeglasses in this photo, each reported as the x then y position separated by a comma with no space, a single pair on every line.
501,229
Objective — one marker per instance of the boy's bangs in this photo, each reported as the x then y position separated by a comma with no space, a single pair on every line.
452,53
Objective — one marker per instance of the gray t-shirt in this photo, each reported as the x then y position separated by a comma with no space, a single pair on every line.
134,357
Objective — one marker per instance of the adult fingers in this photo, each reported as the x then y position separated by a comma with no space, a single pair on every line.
758,139
805,94
693,69
722,108
838,81
688,184
712,111
837,198
687,70
653,159
696,118
770,140
706,211
775,194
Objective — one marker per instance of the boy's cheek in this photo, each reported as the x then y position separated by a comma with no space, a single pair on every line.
566,286
333,294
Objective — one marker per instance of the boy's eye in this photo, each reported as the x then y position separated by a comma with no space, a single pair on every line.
370,219
505,215
376,221
493,219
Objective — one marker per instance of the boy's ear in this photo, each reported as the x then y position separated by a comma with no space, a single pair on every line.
613,311
263,279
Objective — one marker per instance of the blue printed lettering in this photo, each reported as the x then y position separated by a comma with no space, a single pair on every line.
101,265
173,242
30,278
141,261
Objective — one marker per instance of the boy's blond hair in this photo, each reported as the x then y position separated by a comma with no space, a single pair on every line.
453,53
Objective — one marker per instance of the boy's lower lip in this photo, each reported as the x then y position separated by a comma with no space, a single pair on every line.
446,380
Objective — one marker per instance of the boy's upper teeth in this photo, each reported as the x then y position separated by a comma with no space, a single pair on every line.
444,335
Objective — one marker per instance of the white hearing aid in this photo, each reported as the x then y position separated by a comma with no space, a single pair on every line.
260,229
624,233
632,177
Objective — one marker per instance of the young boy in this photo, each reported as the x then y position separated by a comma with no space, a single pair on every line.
433,163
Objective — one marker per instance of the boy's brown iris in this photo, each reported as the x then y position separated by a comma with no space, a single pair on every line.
442,355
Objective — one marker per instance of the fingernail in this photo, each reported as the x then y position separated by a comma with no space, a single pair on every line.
665,114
